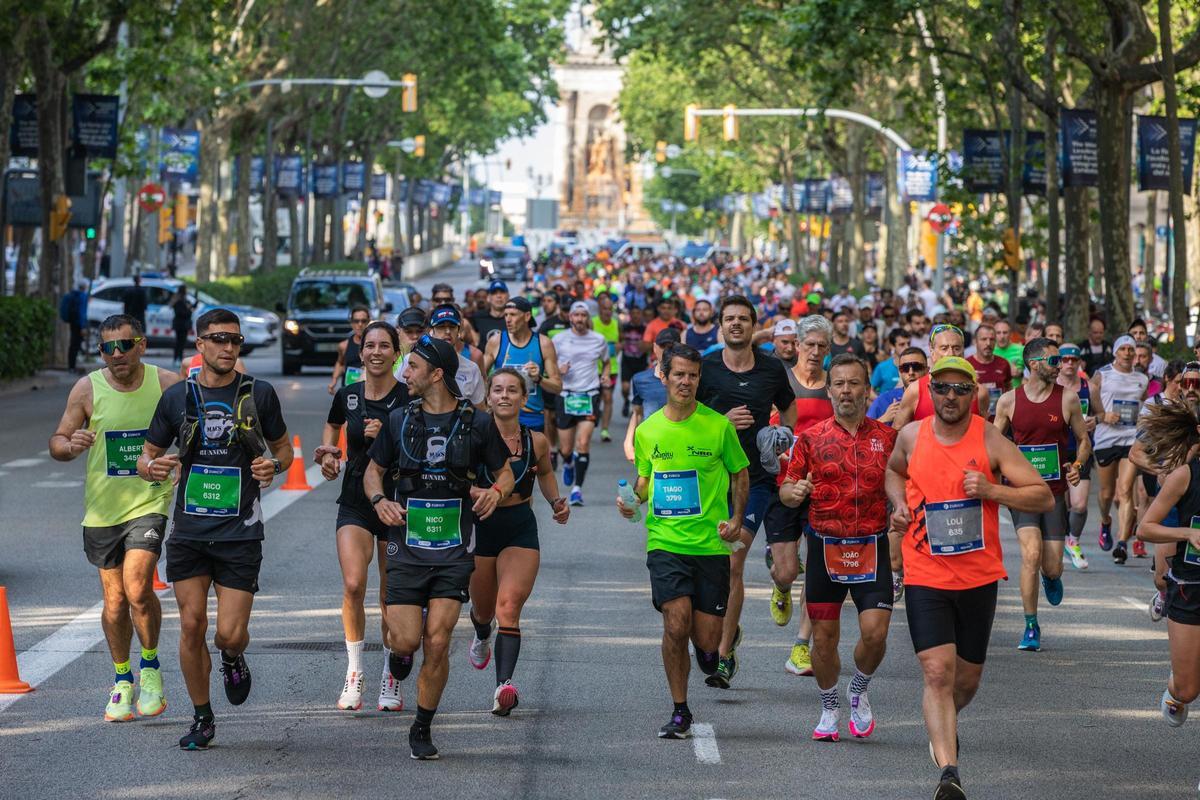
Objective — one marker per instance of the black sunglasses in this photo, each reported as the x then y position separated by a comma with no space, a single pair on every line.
224,338
912,366
120,345
943,388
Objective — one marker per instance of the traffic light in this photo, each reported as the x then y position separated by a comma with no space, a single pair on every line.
1012,249
182,212
660,151
60,216
419,146
165,215
408,96
731,123
691,123
90,233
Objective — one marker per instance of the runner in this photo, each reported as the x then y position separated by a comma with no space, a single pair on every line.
584,365
886,375
913,365
1070,377
412,326
433,447
945,341
1117,391
842,341
995,373
363,408
1009,350
607,325
224,422
689,460
349,359
554,322
124,519
517,345
633,360
649,391
445,323
702,333
506,544
490,323
191,367
943,481
1041,413
837,468
744,383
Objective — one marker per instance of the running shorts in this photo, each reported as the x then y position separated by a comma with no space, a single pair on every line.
417,584
508,526
961,617
1085,469
631,367
1053,524
1183,602
363,518
705,579
757,500
783,524
565,421
105,546
234,565
825,596
1107,455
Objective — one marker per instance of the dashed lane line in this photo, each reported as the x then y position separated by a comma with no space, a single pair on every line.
704,742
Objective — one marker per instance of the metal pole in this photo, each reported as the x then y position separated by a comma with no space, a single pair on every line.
465,212
305,244
116,222
939,100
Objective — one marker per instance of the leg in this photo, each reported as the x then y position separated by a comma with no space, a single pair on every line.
484,589
1052,557
114,619
516,569
606,398
706,631
381,559
233,620
191,595
966,682
1125,508
1108,489
1031,563
566,442
583,443
786,563
938,701
737,593
827,664
677,625
435,664
404,626
1184,684
872,641
354,546
144,607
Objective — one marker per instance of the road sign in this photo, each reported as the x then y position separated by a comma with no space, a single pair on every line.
375,76
940,217
151,197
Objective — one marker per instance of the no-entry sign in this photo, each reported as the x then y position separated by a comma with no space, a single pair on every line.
940,217
151,197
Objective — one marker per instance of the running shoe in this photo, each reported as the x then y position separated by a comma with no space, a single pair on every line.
827,728
150,702
120,702
604,437
576,498
420,743
625,409
897,586
481,651
237,679
800,661
781,604
569,474
862,721
505,699
1157,603
352,689
949,789
1078,561
1139,548
200,735
1032,638
1173,711
1119,553
1106,540
680,727
391,698
721,678
1054,589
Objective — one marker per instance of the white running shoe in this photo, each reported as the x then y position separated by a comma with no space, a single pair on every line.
1076,553
1157,603
391,698
505,699
481,651
827,728
351,699
1173,711
862,721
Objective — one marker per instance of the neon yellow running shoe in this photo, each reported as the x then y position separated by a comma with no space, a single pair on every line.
800,661
150,702
781,604
120,702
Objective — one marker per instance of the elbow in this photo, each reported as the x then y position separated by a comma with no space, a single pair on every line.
1045,500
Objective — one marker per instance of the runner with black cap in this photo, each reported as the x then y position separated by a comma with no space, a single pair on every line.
434,448
491,323
532,354
585,366
411,325
445,323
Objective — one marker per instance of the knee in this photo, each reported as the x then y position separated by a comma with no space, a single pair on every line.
354,589
402,643
193,626
676,625
437,645
938,676
874,638
785,574
824,640
116,608
508,610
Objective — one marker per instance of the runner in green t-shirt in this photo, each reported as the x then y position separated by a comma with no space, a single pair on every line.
693,471
1010,351
608,326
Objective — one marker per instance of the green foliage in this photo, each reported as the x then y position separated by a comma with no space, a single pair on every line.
28,326
1175,351
264,289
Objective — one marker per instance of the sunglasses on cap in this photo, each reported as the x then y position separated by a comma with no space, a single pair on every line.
120,345
443,298
223,338
1051,361
912,366
944,388
942,328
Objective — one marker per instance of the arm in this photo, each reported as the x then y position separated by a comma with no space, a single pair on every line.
547,481
388,511
477,359
605,369
551,379
896,479
1026,491
635,419
908,406
339,367
490,350
1151,529
797,483
71,438
328,455
1095,402
167,378
1137,456
761,337
1073,410
983,399
262,467
487,499
1004,410
739,491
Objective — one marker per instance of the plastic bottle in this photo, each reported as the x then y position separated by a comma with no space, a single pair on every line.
629,500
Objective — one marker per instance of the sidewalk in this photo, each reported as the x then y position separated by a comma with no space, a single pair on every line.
46,379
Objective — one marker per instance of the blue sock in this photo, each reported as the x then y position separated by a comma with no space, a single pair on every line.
1030,619
149,659
123,672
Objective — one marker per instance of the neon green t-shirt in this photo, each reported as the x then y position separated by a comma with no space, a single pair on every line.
1014,354
611,333
688,464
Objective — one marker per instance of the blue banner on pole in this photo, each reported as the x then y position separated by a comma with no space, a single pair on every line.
258,171
289,175
440,194
422,192
983,160
325,180
493,197
95,123
816,192
918,175
1154,158
455,194
875,191
1077,150
354,176
841,196
179,155
23,135
378,186
402,191
477,196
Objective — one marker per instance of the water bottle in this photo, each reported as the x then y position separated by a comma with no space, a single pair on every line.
629,500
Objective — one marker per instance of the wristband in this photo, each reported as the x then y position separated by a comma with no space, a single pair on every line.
498,491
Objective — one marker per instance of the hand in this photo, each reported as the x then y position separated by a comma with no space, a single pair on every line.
626,511
331,463
890,414
562,510
901,519
564,368
160,468
81,440
741,417
1091,424
1072,474
485,502
1193,537
976,485
533,370
801,489
263,470
1111,417
371,427
390,512
731,530
333,387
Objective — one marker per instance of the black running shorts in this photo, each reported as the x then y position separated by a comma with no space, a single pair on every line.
1107,455
962,617
783,524
234,565
1183,602
508,526
705,579
1053,524
417,584
364,518
823,596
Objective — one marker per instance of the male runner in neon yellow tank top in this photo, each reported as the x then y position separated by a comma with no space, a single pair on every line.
125,518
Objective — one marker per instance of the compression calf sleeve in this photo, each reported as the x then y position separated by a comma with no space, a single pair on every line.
581,467
508,648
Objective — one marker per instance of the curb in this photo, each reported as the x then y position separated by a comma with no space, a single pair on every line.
46,379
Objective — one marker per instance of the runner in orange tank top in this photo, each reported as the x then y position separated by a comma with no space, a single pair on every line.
943,481
916,404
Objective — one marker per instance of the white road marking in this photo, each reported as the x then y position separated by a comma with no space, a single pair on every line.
1140,605
56,484
40,662
704,742
23,462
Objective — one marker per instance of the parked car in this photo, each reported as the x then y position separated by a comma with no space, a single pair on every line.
317,314
502,262
259,326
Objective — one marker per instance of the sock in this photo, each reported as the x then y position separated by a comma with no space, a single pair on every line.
399,665
951,771
424,716
124,671
226,658
802,641
204,711
858,684
829,698
1077,520
581,465
682,708
707,661
1030,619
149,659
508,648
483,630
387,655
354,651
567,459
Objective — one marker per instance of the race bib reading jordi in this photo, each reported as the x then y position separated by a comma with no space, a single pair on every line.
1044,458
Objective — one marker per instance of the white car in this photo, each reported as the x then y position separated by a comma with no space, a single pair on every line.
259,326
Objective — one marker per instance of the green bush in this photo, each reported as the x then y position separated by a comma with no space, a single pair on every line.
264,289
1173,350
28,328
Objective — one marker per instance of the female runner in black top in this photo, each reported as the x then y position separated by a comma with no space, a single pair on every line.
506,543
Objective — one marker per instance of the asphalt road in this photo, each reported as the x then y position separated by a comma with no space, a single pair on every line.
1078,720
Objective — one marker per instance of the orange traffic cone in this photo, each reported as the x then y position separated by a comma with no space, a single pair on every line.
345,448
296,479
159,584
10,677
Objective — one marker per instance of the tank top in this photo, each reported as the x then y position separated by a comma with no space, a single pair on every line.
925,401
611,332
936,498
353,357
812,406
1185,564
524,469
1085,401
1040,432
1120,392
194,365
509,355
113,493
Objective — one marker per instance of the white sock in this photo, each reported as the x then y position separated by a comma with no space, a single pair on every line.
387,670
354,652
829,698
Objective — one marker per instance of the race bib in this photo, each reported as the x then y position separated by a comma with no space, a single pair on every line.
353,375
1085,403
852,560
433,524
121,451
1127,411
1044,458
212,491
1190,554
193,372
994,393
578,404
954,527
676,494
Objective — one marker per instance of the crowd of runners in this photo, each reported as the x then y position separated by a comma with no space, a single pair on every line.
872,439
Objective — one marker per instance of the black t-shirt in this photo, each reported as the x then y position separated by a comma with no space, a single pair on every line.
551,325
854,346
760,388
487,326
351,408
209,505
436,497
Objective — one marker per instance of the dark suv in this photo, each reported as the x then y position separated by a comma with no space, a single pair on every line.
318,314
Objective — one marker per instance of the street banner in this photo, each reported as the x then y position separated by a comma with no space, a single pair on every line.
23,135
1033,171
1077,150
325,180
258,172
402,191
875,191
841,196
1154,159
918,175
179,155
440,194
422,192
760,204
379,186
817,195
289,175
477,196
95,129
493,197
354,176
983,160
455,194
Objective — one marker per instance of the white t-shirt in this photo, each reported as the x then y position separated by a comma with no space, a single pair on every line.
584,354
468,377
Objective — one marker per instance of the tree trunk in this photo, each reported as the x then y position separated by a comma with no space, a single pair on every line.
797,257
10,58
837,234
269,202
364,202
1113,110
1015,161
856,157
1054,311
24,237
294,229
897,221
207,213
1150,250
1075,224
245,233
1179,298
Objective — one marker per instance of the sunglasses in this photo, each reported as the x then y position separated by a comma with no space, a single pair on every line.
912,366
941,328
1192,366
224,338
120,345
443,299
1190,383
943,388
359,320
1051,361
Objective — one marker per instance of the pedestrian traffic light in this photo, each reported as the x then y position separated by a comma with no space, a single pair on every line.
419,146
182,212
89,233
731,123
408,96
60,216
660,151
691,123
1012,249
